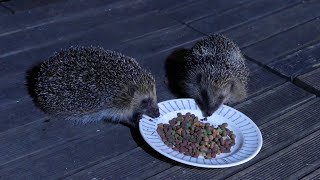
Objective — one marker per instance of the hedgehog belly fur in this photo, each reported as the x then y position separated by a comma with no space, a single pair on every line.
106,114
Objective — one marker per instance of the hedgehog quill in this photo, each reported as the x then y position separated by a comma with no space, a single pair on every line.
213,72
87,84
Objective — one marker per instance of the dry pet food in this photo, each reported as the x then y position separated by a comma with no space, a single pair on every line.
191,137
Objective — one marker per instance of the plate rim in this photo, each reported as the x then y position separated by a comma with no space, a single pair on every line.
257,150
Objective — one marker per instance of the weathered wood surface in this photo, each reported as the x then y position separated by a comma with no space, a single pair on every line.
280,40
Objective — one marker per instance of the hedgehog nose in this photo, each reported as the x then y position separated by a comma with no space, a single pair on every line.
209,113
153,112
157,113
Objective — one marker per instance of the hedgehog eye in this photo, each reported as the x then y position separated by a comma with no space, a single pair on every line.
199,76
220,98
131,91
144,103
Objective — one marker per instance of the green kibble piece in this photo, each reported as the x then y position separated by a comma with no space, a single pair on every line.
219,130
173,143
205,132
233,136
188,124
218,148
173,132
209,132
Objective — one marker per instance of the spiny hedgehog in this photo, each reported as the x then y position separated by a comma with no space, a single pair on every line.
212,72
88,84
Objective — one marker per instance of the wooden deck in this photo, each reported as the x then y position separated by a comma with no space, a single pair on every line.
279,38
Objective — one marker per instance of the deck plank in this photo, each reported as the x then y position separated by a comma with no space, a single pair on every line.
270,25
190,12
285,163
274,48
248,12
71,156
315,175
121,167
310,81
282,98
75,9
298,63
24,5
115,29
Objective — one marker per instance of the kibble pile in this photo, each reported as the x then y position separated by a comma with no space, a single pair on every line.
191,137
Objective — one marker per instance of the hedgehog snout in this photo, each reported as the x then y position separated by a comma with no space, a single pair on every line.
153,111
210,104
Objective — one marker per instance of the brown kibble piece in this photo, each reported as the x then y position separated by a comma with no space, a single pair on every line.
210,137
224,125
206,138
160,125
179,131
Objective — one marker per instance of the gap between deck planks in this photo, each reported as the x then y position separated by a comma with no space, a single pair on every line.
310,81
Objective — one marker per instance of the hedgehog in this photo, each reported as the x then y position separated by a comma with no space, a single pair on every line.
213,72
89,84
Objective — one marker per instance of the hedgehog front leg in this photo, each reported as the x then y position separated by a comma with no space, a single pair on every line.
135,119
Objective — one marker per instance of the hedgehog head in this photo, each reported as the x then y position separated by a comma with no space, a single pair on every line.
138,98
214,80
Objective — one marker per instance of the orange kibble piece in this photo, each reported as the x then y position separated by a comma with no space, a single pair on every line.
160,125
179,131
218,152
197,124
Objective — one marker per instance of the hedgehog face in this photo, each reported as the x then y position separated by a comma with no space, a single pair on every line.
144,103
149,107
209,95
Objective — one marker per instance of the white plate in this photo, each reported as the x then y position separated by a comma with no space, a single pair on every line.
248,140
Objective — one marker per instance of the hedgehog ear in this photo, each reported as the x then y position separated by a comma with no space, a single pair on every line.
131,91
198,79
